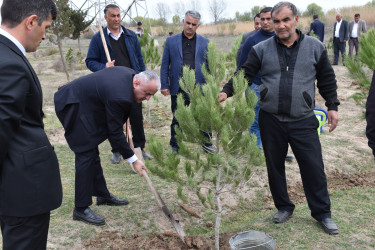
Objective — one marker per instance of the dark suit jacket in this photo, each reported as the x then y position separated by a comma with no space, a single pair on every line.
171,63
318,28
94,108
343,32
244,37
29,172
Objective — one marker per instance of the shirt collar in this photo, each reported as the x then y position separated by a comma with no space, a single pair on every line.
183,36
113,35
14,40
294,43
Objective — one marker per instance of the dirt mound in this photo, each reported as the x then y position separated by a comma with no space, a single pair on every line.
116,240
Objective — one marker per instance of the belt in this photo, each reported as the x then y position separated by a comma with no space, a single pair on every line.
353,37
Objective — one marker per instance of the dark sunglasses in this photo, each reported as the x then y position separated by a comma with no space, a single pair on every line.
188,23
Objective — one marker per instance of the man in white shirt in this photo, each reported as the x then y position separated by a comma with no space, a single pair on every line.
356,28
340,36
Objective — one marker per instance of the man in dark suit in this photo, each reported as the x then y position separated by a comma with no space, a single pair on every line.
340,36
318,27
30,184
184,49
356,28
94,108
125,50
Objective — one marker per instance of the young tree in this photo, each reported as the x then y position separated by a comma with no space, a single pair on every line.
78,17
150,52
313,9
216,8
62,27
226,167
356,66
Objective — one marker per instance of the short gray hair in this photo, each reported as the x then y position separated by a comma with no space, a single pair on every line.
194,14
147,76
280,5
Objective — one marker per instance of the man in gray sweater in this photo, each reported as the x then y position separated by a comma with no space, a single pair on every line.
290,62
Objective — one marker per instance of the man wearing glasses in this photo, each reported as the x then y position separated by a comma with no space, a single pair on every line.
183,49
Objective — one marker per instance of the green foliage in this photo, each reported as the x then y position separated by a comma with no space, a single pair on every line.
78,19
230,57
221,29
313,9
256,9
232,28
312,33
150,52
366,58
72,58
245,17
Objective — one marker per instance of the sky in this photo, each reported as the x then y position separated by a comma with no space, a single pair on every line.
234,5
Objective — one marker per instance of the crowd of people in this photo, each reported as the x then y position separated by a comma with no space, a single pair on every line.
281,65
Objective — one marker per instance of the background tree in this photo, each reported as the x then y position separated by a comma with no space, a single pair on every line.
194,5
162,10
216,9
313,9
256,9
62,27
78,19
357,67
179,10
229,165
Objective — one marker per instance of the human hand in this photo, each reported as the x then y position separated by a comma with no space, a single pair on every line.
110,64
165,92
222,96
138,166
333,119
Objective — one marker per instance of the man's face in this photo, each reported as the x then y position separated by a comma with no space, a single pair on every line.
285,23
191,25
356,19
266,22
143,91
113,19
338,17
37,34
257,25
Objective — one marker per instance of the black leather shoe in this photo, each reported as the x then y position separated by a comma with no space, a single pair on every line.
282,216
289,158
175,149
88,216
329,226
111,201
116,158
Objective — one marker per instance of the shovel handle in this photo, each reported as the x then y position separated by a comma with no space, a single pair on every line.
104,42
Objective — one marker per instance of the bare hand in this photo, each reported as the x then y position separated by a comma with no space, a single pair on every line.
139,166
165,92
110,64
222,96
333,119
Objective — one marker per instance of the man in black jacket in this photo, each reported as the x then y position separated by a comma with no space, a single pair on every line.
30,185
94,108
290,63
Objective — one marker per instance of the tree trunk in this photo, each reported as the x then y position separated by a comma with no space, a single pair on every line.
218,212
62,58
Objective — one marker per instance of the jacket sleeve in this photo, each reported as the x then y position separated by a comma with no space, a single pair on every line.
94,61
346,31
326,81
138,53
165,66
238,55
370,116
251,68
13,90
246,48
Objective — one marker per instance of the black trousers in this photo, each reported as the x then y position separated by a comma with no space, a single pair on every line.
89,178
25,232
337,48
173,141
303,138
136,123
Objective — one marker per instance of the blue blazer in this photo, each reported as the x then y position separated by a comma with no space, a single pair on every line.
171,63
96,58
318,28
343,32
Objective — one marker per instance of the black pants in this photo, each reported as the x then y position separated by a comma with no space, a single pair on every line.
337,48
136,123
25,232
89,179
303,138
173,141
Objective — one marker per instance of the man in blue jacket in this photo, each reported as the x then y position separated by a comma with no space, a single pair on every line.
124,48
184,49
318,27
